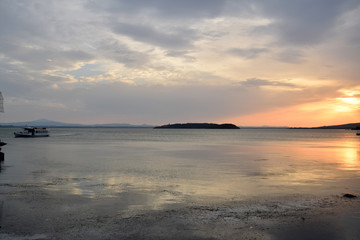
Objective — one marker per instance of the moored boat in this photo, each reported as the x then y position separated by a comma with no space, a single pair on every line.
32,132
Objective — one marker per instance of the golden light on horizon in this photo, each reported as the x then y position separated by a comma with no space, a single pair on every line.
351,93
350,104
331,111
354,101
343,109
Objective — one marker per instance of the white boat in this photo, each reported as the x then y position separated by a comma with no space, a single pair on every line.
32,132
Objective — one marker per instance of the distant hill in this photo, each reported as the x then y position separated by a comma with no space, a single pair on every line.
54,124
199,126
40,123
343,126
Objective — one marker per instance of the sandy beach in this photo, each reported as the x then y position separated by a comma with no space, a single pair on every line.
30,214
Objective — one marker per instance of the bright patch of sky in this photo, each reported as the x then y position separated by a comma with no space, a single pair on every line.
84,71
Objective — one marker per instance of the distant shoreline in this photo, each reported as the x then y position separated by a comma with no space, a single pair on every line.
157,127
198,126
53,124
86,126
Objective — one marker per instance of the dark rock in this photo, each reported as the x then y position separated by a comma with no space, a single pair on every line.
348,195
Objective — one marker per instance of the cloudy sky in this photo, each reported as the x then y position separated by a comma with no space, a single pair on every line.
274,62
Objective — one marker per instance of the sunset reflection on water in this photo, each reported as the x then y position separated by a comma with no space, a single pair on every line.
350,158
144,167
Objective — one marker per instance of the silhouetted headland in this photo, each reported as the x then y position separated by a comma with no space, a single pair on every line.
352,126
199,126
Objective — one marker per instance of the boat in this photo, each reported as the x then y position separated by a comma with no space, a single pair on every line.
358,133
32,132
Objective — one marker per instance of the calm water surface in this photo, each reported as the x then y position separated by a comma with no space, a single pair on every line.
157,167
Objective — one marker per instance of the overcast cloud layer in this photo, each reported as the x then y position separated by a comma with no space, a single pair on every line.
161,61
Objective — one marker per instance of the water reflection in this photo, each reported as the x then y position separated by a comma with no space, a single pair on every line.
169,168
351,158
228,172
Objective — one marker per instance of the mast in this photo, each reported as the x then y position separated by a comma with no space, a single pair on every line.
1,103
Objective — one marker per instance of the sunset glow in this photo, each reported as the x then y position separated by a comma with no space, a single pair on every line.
351,101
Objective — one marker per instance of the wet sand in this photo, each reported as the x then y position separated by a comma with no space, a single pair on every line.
34,214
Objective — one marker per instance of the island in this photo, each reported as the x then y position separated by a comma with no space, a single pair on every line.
199,126
352,126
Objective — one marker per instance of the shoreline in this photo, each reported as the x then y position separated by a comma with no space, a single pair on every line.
281,217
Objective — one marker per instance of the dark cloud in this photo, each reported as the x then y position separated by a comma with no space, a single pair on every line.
180,54
351,28
177,38
17,18
248,53
162,8
37,58
303,22
291,56
256,82
16,82
119,52
34,38
296,22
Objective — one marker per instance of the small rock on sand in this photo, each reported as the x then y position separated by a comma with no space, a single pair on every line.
348,195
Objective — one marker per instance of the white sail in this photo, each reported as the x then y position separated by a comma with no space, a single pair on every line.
1,103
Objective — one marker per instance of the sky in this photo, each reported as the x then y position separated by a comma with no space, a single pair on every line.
252,63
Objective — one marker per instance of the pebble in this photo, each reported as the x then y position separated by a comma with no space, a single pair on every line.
348,195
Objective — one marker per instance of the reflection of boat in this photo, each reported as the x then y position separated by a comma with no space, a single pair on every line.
2,110
32,132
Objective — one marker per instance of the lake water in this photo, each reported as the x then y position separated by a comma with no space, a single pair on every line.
150,168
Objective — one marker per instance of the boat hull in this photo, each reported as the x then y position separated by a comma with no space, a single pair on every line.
29,136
